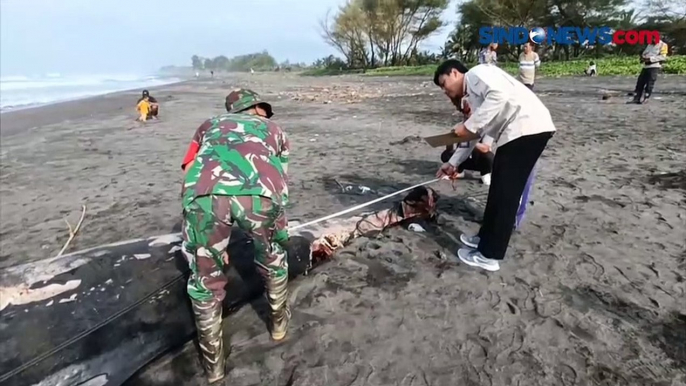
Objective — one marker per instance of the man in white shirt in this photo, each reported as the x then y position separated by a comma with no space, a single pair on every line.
528,63
503,108
652,57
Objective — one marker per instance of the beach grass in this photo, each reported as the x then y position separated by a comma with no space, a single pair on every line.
625,65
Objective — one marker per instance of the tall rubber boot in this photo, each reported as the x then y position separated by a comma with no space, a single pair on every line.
208,322
277,297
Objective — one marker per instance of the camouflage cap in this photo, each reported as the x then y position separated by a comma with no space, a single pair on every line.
243,99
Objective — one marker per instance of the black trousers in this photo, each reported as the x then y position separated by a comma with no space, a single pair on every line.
646,82
482,162
511,168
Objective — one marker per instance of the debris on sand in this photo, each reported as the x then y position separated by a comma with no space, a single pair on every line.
335,93
414,227
408,139
675,180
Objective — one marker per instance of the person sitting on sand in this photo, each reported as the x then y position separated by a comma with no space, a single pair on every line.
591,70
475,155
505,109
143,109
479,158
235,173
153,106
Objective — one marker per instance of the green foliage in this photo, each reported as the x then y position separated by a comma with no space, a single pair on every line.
372,32
197,62
261,61
323,71
666,16
628,66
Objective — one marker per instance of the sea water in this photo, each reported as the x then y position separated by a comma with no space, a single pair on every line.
18,92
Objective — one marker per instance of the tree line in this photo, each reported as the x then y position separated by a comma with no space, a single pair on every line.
380,33
260,61
371,33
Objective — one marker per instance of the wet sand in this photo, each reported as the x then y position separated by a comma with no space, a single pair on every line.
591,292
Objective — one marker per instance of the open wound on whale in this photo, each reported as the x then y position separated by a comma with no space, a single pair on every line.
418,203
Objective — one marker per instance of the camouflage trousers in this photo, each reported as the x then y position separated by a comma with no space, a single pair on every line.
206,232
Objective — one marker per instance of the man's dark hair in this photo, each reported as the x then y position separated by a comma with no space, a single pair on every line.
447,67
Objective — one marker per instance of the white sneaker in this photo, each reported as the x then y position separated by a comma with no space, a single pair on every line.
474,258
470,241
486,179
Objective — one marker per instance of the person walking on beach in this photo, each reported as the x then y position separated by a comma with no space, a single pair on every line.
652,58
528,63
503,108
235,173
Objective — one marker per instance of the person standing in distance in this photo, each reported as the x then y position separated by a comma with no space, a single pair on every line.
652,57
528,63
503,108
489,55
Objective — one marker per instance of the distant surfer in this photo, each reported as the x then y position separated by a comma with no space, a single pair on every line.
508,111
151,106
235,173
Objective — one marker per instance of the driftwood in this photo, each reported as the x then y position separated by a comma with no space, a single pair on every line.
73,231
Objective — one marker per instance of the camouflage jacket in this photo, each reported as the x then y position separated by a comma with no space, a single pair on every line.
239,155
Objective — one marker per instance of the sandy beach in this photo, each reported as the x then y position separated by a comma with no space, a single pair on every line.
591,292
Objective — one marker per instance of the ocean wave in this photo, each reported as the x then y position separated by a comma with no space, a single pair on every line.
22,91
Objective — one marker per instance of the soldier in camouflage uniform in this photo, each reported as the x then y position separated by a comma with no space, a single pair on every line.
236,173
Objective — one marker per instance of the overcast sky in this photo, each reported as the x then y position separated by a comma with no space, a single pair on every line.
122,36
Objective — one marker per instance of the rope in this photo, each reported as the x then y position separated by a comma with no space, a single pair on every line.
374,201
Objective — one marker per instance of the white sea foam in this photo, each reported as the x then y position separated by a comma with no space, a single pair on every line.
23,91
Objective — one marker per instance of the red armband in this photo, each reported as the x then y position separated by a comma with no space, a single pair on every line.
190,154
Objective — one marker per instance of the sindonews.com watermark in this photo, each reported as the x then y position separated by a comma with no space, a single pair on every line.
566,35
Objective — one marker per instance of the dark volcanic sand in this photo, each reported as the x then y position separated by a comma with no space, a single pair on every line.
591,293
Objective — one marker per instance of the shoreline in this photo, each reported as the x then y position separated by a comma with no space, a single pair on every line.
13,108
16,120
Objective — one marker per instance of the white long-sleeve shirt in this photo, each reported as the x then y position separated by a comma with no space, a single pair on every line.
528,63
465,149
502,107
657,53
